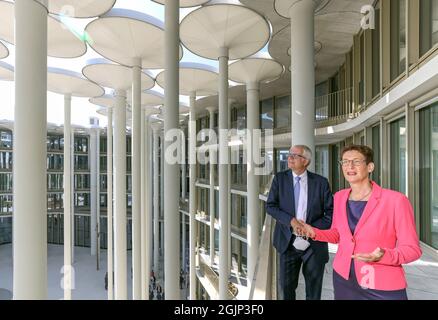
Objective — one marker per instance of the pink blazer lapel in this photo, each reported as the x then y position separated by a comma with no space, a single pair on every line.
343,209
369,208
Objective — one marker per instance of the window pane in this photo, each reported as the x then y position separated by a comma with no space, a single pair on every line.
335,157
398,38
321,161
282,112
282,160
376,54
266,114
6,139
362,69
376,176
428,186
398,155
402,36
428,25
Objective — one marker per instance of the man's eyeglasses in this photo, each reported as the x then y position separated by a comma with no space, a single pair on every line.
296,156
356,162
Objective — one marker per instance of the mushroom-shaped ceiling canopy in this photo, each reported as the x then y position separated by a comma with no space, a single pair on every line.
67,82
105,101
282,7
129,37
255,69
149,98
185,3
205,31
61,41
80,8
196,78
114,76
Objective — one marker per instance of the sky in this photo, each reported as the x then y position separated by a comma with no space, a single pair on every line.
82,110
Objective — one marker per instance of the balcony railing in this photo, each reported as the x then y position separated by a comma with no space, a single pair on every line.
335,107
264,284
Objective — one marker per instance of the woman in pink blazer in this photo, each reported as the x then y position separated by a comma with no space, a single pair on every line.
375,230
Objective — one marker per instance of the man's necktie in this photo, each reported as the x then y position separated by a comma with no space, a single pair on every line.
297,188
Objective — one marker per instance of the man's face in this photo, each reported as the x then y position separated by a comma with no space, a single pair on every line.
296,161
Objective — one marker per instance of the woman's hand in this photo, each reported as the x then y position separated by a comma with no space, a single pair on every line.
374,256
307,230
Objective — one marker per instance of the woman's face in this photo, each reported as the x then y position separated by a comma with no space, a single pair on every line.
355,168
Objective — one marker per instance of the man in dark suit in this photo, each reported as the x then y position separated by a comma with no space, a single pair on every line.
299,195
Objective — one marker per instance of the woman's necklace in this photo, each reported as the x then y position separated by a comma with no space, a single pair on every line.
364,197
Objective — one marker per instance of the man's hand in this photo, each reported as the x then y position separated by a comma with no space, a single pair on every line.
297,226
374,256
307,230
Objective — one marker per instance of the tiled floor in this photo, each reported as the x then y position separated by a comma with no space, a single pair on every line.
422,275
89,282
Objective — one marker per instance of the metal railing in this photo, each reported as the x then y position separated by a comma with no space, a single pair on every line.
335,106
264,284
213,278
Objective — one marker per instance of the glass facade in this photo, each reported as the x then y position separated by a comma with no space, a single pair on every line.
398,155
282,112
238,169
321,161
6,204
55,202
6,183
428,180
55,162
267,114
5,160
336,172
376,53
281,157
5,229
377,174
428,25
398,37
5,139
55,181
55,143
238,118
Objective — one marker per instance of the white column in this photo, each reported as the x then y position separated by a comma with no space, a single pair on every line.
303,74
98,199
149,201
183,221
144,213
223,176
110,229
136,181
183,191
120,234
161,220
211,190
183,166
72,173
30,155
253,180
93,191
230,210
171,171
67,199
156,200
192,196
